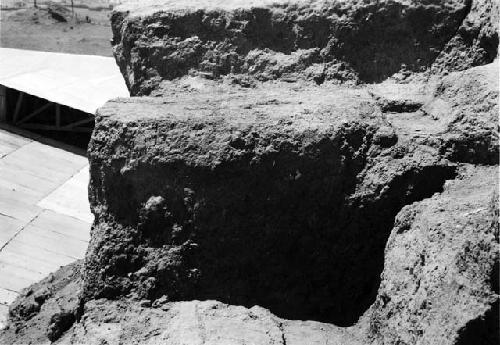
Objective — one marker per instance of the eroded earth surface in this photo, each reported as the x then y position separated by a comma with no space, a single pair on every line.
313,172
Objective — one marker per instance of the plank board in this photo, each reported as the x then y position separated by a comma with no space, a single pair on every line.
7,296
53,242
45,217
8,228
63,224
71,198
10,142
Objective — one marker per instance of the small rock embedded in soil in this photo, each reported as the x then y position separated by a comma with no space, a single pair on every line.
59,323
266,183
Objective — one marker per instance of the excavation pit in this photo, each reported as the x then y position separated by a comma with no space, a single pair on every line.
248,202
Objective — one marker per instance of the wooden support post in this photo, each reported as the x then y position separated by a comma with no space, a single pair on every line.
53,128
36,112
18,107
58,115
3,103
78,123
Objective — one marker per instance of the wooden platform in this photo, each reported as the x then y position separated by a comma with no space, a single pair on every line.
44,213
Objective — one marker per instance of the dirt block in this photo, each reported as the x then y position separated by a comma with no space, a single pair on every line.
440,280
226,195
357,41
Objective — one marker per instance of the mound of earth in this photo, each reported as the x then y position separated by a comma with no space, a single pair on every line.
46,309
235,204
321,40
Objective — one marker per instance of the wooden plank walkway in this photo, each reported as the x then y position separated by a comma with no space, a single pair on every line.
44,212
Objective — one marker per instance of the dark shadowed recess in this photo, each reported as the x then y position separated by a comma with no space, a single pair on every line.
43,122
376,41
483,330
298,247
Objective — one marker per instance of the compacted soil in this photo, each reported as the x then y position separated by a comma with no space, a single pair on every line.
289,172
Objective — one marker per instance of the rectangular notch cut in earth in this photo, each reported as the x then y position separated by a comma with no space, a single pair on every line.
294,172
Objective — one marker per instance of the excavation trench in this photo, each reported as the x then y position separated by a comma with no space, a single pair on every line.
291,240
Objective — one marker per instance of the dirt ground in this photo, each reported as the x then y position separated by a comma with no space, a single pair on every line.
87,31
